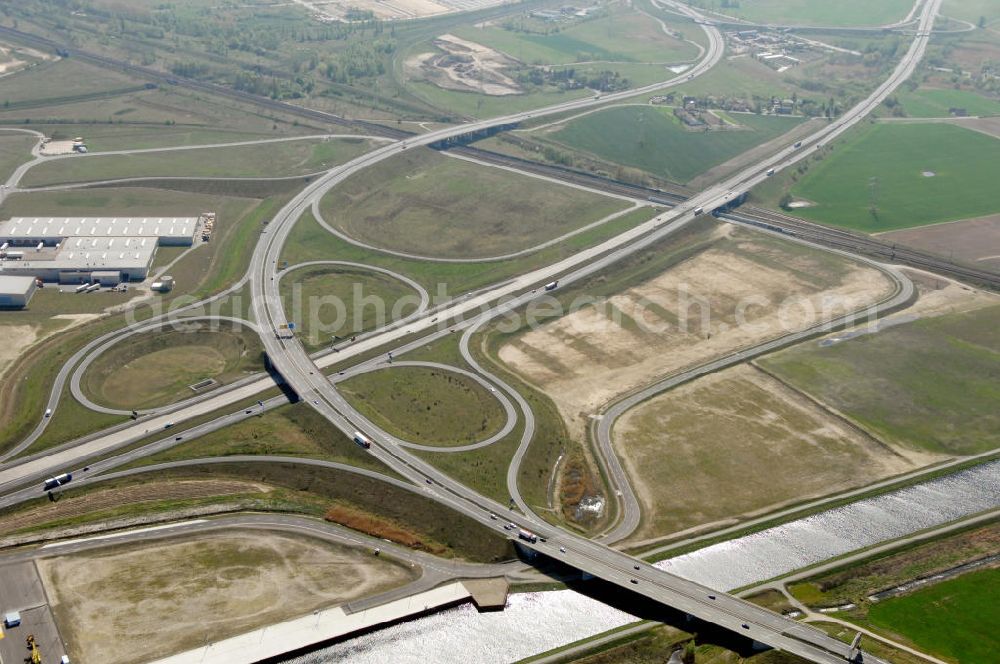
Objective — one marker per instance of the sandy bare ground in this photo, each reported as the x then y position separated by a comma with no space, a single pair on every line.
975,241
739,292
135,603
465,65
754,155
9,62
17,338
738,443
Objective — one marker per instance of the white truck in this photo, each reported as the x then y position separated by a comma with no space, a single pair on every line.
362,440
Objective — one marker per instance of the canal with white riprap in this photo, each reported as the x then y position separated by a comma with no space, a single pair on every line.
536,622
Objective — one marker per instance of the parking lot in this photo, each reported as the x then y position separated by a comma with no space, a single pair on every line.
21,590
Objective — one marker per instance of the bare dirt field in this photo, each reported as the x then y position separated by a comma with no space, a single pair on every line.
737,443
988,126
466,66
165,597
740,291
975,241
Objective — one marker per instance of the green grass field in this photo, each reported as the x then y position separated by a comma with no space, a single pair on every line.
15,149
327,300
898,155
157,368
61,81
424,203
310,241
269,160
932,384
625,36
652,139
955,619
935,103
816,12
425,405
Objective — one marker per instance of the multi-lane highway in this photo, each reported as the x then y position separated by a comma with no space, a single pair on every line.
305,376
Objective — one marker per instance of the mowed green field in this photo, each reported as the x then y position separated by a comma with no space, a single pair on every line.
327,300
625,36
933,384
297,157
936,103
426,405
15,149
963,184
157,368
424,203
652,139
817,12
955,619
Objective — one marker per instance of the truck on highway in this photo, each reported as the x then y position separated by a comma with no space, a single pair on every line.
770,172
362,440
698,211
56,482
527,536
552,285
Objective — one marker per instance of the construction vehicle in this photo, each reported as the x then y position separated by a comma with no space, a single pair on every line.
36,654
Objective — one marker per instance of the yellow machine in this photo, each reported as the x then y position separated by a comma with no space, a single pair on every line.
36,654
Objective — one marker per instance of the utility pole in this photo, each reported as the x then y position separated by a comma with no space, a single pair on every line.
873,189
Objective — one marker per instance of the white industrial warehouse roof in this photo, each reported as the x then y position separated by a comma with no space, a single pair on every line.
81,253
54,227
11,285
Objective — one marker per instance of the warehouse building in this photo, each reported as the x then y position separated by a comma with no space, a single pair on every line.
16,292
105,250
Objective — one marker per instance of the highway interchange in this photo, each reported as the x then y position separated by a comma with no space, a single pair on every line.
304,374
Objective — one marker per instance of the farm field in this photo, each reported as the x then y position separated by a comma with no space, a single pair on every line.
975,241
954,619
929,385
426,405
625,36
925,173
296,157
732,429
243,581
726,288
158,368
652,139
817,12
328,300
428,204
937,103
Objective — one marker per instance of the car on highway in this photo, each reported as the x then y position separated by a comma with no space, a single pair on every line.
48,412
634,581
168,425
562,549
